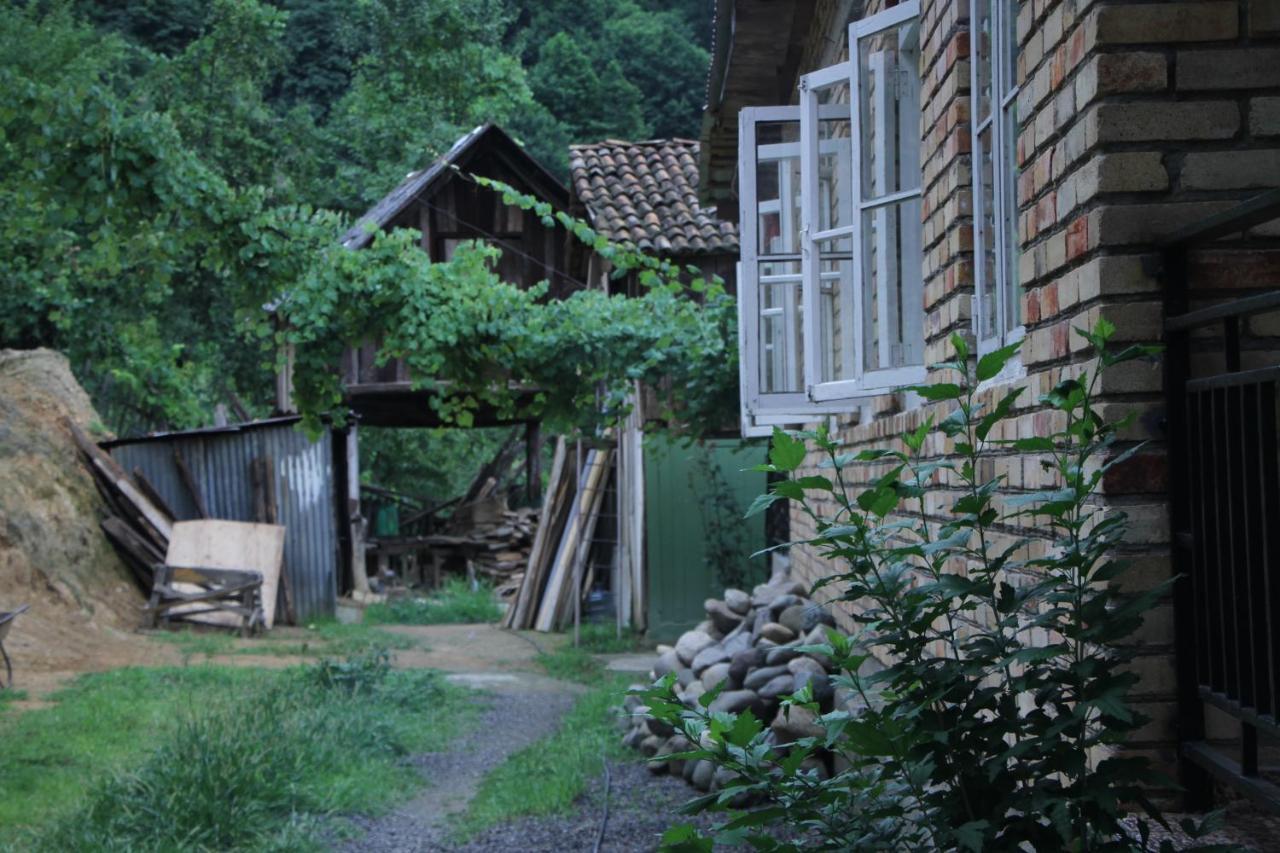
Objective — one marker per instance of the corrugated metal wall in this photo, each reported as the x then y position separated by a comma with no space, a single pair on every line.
679,578
219,459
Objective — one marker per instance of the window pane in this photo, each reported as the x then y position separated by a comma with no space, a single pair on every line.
986,272
835,159
781,337
892,313
982,49
835,304
889,111
778,187
1009,193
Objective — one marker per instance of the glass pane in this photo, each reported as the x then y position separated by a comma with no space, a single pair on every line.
1012,290
889,98
781,336
778,187
1009,48
835,309
983,51
986,271
892,313
835,160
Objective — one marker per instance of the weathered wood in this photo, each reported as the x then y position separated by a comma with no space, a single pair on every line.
559,582
139,554
160,523
262,474
518,615
231,546
189,480
595,501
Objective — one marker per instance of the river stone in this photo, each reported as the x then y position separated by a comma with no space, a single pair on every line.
650,744
764,644
703,772
793,618
690,643
688,771
781,603
674,746
781,655
707,627
806,664
782,685
715,674
816,615
667,662
793,588
685,676
777,633
724,619
737,601
657,765
813,764
820,684
634,737
794,722
631,702
743,662
734,700
661,728
723,777
736,643
762,676
691,693
707,657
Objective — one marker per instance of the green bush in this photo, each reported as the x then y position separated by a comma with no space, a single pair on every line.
261,768
455,603
995,725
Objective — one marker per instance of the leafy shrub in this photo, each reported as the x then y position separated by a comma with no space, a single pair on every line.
994,725
455,603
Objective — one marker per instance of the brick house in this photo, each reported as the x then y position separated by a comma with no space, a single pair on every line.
1010,170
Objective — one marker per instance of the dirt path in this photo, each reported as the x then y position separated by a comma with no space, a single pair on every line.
523,708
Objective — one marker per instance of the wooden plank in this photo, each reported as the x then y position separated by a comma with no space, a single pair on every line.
262,473
557,506
189,480
160,522
594,500
152,494
240,545
559,582
139,554
517,614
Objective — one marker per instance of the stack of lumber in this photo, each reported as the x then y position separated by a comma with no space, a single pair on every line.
558,556
140,524
499,541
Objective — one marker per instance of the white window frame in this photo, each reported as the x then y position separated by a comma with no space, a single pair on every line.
1004,134
863,383
761,411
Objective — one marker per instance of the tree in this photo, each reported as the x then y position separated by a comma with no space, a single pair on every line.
591,105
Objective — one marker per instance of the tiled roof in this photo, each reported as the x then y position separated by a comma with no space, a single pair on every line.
646,193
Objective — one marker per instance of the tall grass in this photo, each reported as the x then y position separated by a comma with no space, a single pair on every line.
262,767
454,603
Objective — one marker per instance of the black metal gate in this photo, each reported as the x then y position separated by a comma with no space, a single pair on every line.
1223,387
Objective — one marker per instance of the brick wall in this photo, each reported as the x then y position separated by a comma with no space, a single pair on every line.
1136,118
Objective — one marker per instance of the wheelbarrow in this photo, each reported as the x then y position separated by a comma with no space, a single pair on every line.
6,622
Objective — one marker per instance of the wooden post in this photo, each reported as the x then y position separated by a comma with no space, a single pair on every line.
533,462
189,480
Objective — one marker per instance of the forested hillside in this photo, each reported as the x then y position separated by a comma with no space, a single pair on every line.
141,143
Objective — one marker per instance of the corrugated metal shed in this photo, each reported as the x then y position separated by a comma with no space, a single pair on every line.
220,458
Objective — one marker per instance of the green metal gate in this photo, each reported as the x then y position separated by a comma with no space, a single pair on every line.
681,511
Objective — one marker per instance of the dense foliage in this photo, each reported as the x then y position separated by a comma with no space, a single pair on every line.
171,166
993,722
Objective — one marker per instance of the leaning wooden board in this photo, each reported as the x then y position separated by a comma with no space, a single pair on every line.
212,544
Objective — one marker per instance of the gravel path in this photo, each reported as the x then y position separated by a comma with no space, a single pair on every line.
522,708
641,807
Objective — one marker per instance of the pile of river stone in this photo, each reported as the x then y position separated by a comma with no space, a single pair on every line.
752,642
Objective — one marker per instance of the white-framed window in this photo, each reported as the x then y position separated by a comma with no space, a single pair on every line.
997,308
830,292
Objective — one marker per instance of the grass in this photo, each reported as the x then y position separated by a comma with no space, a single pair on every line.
455,603
324,637
8,695
602,638
571,664
209,757
560,766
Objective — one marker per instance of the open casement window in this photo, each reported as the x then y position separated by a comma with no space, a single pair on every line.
771,327
997,295
831,298
861,221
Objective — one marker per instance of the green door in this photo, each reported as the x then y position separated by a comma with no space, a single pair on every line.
695,535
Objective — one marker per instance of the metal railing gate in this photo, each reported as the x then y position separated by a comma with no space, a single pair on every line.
1224,435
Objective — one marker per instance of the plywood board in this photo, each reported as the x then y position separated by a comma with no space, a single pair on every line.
213,544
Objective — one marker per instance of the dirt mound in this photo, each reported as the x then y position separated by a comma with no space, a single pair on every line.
53,555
